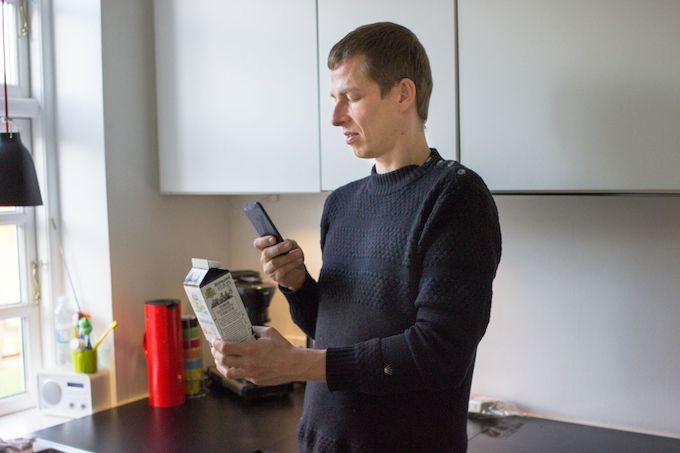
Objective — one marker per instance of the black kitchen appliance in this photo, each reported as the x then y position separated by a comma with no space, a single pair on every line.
256,297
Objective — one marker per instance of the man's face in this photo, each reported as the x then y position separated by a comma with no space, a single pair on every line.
370,122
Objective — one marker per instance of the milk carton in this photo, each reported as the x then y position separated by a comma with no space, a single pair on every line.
216,302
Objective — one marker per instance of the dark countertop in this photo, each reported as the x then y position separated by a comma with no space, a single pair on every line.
528,435
223,422
218,422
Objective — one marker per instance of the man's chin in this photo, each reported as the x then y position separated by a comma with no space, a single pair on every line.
362,153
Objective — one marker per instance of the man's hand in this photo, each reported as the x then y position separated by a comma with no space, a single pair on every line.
283,262
270,360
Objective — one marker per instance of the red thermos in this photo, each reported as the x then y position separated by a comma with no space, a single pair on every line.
163,350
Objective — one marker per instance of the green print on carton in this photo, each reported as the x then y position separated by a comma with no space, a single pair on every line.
199,306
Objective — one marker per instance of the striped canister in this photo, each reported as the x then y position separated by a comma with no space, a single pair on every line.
193,365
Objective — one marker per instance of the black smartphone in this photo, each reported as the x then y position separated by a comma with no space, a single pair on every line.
261,221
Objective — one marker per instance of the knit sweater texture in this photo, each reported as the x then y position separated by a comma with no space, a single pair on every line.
402,300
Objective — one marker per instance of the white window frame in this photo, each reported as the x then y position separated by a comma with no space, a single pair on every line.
28,308
34,116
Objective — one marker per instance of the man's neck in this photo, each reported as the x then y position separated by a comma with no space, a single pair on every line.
411,152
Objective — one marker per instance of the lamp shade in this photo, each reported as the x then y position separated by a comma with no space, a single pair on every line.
18,181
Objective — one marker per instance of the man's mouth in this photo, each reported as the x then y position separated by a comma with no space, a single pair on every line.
351,137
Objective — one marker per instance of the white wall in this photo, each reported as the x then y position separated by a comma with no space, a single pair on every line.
153,237
81,160
584,319
585,309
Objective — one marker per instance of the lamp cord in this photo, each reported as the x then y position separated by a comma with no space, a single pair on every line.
4,68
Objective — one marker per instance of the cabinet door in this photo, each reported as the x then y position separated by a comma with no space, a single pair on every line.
433,22
571,96
237,96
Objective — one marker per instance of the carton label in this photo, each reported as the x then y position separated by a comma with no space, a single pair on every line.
217,305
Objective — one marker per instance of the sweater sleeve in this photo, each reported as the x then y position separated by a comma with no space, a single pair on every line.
303,305
461,248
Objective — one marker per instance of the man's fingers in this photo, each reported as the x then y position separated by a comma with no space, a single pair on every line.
279,274
262,242
229,348
232,361
232,373
281,248
279,259
283,271
272,267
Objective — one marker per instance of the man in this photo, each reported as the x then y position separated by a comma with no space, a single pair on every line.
409,256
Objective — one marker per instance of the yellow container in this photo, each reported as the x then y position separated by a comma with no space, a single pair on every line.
193,375
193,387
85,361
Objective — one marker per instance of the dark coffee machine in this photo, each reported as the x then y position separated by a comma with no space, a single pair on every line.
256,297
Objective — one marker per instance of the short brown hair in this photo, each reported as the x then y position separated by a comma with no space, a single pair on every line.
392,52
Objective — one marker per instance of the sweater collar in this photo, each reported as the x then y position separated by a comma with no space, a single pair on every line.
397,179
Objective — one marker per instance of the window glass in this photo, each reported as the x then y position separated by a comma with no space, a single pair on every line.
12,381
10,282
11,45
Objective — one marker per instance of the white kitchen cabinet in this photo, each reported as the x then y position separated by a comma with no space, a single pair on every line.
433,22
571,96
237,96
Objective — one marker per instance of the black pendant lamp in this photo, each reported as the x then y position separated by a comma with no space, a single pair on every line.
18,180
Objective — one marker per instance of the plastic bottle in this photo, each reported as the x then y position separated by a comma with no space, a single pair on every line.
63,331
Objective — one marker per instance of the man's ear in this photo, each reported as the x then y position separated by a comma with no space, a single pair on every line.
407,94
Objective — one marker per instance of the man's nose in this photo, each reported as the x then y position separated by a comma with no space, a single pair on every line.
339,114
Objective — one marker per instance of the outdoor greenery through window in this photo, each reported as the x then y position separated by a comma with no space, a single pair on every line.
12,379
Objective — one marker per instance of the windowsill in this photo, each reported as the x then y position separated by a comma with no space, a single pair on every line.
23,422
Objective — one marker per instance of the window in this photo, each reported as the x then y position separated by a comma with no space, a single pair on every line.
16,42
20,334
18,310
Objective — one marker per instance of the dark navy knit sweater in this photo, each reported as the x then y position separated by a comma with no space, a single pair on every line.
402,301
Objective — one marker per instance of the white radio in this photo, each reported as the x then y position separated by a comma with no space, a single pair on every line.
70,394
